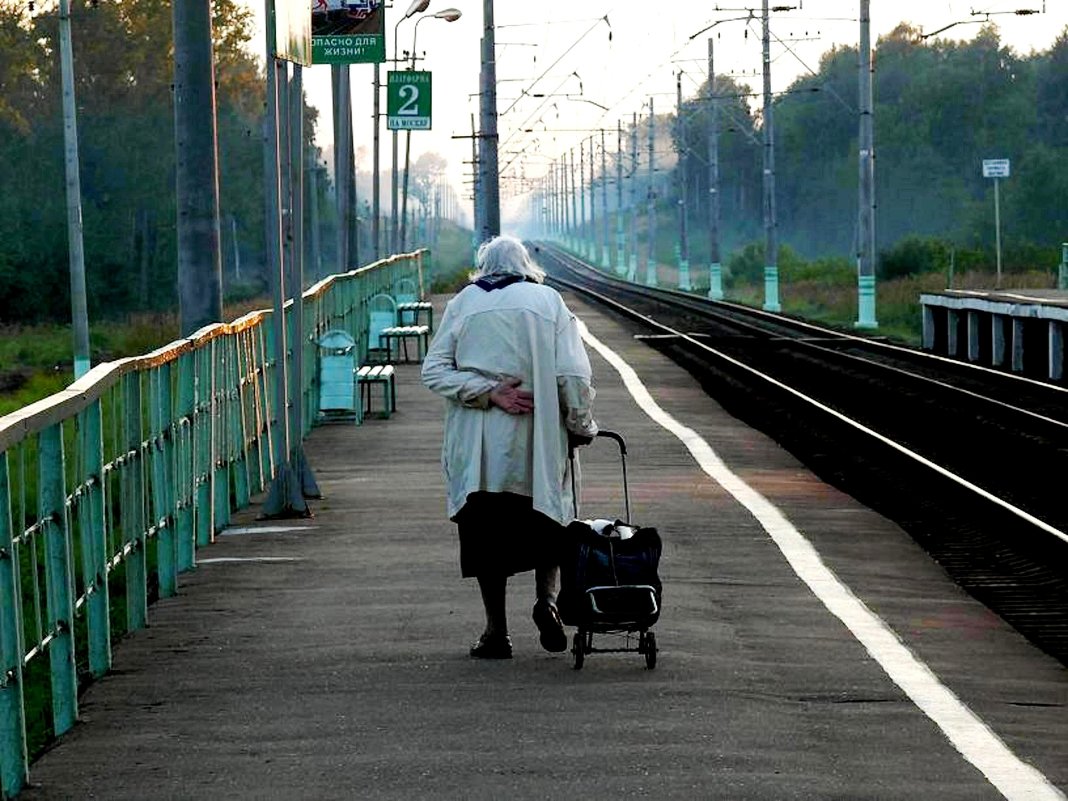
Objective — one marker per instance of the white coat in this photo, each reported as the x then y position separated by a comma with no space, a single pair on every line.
523,330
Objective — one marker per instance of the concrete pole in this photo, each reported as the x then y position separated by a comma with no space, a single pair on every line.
582,229
1062,272
313,199
680,172
342,167
196,169
866,184
621,242
488,108
632,264
606,261
771,245
715,269
376,170
284,495
650,262
303,473
476,188
394,202
576,223
75,246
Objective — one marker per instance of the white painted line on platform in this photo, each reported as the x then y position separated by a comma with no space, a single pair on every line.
219,560
976,742
232,532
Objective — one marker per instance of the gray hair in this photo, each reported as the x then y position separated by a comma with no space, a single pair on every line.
506,255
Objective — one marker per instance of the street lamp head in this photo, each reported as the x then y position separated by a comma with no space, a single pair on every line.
449,14
417,7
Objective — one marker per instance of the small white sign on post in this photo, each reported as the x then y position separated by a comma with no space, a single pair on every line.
995,168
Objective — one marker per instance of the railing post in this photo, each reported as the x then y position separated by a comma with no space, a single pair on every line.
94,540
263,404
14,762
52,507
160,446
203,452
239,426
133,499
222,402
185,474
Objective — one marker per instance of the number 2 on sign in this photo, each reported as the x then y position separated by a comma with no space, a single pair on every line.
410,95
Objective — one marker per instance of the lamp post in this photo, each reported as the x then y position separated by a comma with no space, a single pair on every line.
449,15
79,306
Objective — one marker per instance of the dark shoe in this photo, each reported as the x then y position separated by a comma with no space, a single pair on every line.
495,647
547,619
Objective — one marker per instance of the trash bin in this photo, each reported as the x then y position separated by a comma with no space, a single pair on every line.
338,398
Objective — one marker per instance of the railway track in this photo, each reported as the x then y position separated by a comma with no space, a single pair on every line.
970,461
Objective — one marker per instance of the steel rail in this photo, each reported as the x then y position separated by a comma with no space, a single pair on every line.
919,459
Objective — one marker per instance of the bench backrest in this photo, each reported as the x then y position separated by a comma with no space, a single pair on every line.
382,314
407,291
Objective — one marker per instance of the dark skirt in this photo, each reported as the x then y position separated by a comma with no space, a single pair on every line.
501,534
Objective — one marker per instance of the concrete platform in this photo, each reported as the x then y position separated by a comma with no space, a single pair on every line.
1021,330
329,660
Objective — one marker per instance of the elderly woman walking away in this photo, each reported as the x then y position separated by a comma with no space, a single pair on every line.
511,365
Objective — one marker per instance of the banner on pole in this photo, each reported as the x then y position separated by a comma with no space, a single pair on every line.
408,100
292,32
348,31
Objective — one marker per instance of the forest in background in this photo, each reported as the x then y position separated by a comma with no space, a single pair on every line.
941,107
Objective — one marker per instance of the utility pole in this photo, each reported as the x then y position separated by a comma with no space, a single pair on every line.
605,260
771,245
592,235
488,107
582,200
376,172
715,270
632,265
284,496
621,242
866,206
313,199
650,263
576,224
342,169
680,171
75,245
196,169
305,478
476,187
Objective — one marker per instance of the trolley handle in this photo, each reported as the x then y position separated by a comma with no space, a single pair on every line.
617,437
613,435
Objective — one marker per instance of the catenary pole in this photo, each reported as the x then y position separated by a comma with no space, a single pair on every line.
488,108
284,495
376,169
680,171
866,206
75,243
650,262
771,245
621,241
196,169
303,473
715,270
632,265
342,167
582,229
605,260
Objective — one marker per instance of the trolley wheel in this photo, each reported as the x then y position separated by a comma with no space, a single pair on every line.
578,649
650,650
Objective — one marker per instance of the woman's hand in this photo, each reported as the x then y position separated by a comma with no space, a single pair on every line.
508,397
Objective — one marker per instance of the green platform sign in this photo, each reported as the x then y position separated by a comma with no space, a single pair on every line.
408,101
348,31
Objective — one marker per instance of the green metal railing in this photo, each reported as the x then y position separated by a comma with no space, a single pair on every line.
108,487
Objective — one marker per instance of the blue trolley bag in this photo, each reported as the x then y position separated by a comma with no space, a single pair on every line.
609,578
